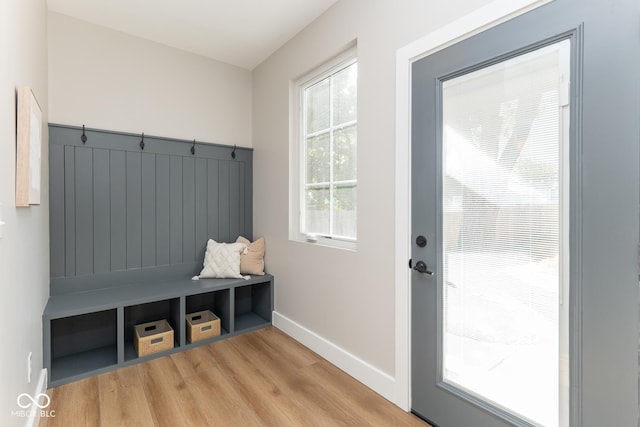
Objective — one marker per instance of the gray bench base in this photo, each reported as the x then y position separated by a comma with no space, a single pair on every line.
91,332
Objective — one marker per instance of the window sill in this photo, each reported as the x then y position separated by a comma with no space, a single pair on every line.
345,245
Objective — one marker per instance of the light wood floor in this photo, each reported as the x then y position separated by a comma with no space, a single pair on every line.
263,378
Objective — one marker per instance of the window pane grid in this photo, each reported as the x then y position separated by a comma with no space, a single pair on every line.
328,203
328,130
347,183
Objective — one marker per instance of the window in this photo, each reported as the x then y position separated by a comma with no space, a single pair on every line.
324,147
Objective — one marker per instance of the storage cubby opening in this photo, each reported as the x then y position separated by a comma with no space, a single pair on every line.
252,306
150,312
83,343
218,302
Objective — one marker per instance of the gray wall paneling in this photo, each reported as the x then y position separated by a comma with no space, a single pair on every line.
189,209
163,206
134,209
247,185
223,201
212,199
175,210
201,206
118,210
234,200
149,210
56,216
84,210
68,209
101,214
115,207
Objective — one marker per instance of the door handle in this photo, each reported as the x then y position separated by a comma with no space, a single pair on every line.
421,267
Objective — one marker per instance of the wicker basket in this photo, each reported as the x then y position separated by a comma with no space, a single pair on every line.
202,325
153,337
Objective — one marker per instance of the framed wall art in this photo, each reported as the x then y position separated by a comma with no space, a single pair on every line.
28,148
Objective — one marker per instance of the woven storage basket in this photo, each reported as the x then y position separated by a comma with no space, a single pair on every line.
153,337
202,325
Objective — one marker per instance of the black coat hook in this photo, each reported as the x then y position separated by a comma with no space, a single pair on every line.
193,147
233,153
83,138
142,142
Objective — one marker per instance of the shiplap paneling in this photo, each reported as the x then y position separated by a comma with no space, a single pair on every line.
189,209
176,219
101,214
212,200
201,205
223,201
84,210
134,210
68,202
116,207
163,206
149,225
234,199
56,216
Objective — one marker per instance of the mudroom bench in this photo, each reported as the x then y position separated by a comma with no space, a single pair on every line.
87,332
130,216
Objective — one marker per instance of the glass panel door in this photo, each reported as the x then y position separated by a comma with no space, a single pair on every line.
505,234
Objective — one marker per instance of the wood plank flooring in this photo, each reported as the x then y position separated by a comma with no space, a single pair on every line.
263,378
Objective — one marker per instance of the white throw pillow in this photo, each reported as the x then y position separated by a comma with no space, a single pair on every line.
222,260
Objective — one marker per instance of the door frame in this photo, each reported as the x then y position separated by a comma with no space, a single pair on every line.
467,26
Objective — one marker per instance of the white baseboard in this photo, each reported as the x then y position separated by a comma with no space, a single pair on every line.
380,382
41,387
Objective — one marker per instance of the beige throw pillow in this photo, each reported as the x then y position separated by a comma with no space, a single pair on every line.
252,261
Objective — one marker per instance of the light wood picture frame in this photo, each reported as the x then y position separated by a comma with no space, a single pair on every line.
28,148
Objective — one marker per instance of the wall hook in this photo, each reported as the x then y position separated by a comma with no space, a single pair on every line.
193,147
83,138
233,153
142,142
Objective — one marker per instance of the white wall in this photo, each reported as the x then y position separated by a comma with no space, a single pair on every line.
347,298
106,79
24,249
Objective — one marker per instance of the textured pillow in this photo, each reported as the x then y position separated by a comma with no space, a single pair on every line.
222,260
252,261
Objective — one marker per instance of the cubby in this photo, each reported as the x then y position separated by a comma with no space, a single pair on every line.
252,308
87,333
82,343
142,313
217,302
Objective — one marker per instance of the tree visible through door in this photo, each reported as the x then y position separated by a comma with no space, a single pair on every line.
504,204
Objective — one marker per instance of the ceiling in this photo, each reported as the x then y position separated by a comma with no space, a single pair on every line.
238,32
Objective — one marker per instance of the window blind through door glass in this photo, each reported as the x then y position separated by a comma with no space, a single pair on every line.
502,232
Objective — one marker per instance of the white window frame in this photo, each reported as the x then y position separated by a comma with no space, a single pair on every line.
297,152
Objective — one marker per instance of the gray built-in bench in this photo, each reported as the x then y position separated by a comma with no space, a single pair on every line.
128,231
